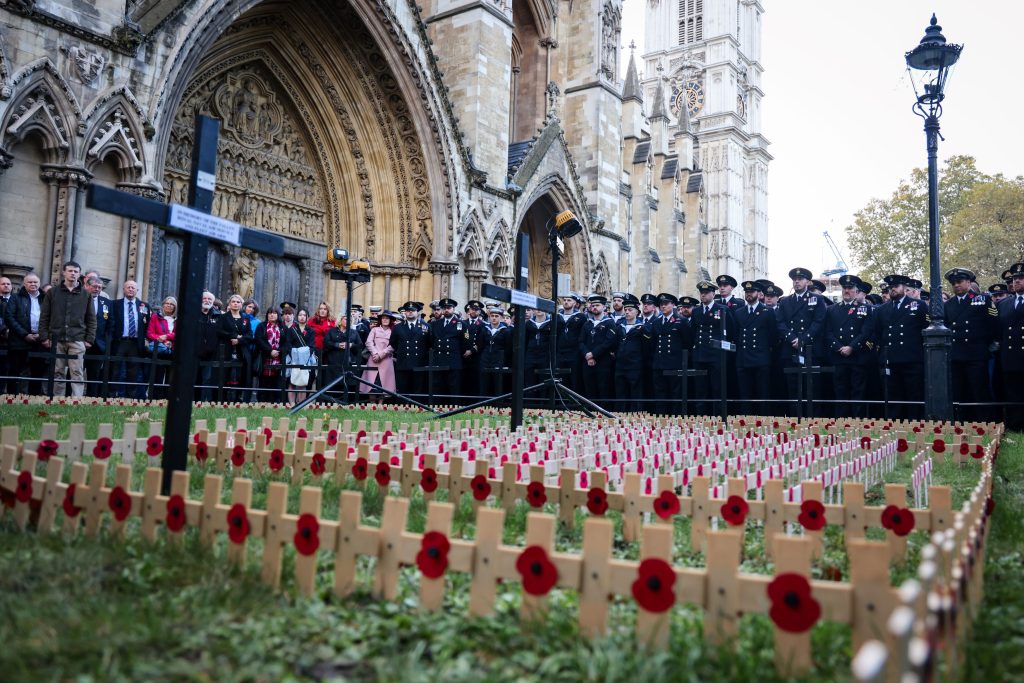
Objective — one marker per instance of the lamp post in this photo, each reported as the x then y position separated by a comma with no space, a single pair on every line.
929,65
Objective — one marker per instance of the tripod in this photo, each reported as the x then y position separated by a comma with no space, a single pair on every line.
552,384
349,277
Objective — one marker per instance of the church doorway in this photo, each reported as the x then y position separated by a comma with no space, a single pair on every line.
535,224
318,144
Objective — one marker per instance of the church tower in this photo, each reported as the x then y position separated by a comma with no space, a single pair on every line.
709,51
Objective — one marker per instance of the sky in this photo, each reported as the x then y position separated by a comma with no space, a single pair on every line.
837,108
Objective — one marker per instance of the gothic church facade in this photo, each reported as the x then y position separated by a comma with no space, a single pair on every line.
420,137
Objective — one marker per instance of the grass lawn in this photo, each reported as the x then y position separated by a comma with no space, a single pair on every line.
99,609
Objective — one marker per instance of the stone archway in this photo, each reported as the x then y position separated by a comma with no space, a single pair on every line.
320,143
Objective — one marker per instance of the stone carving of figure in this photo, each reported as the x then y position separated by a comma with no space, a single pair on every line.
243,274
244,112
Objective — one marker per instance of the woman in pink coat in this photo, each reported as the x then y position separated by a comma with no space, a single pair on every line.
382,367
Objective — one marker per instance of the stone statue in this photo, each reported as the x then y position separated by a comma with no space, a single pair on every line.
243,274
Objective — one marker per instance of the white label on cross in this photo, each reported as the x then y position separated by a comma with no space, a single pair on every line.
523,299
220,229
206,181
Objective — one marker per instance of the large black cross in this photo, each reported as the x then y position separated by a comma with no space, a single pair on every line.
200,229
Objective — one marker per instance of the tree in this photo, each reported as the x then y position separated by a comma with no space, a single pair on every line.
891,235
987,233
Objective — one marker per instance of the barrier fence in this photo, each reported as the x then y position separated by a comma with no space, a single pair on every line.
897,631
155,379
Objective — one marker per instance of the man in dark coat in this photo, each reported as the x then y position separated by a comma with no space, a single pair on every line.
974,321
569,324
1011,345
494,349
756,331
598,342
22,319
669,336
6,292
94,354
449,341
898,332
633,346
712,324
801,324
128,333
410,340
849,329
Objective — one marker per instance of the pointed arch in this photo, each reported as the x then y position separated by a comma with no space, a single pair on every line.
600,283
114,128
471,249
499,255
43,104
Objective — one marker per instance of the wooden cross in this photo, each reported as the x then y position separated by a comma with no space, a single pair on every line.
200,229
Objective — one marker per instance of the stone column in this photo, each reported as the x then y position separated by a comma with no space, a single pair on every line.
443,272
66,182
475,277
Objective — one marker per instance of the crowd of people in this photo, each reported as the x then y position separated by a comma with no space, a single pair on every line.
623,352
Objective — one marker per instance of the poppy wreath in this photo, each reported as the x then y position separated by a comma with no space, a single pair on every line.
47,449
898,520
120,503
202,451
332,437
734,510
360,436
276,461
653,587
794,609
175,519
318,464
536,494
865,442
301,433
979,452
432,559
103,448
666,505
965,448
23,489
428,480
70,509
307,534
538,573
597,501
382,474
481,487
812,515
238,524
360,469
939,446
154,445
902,446
238,456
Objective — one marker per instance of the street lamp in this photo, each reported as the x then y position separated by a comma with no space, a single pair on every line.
929,65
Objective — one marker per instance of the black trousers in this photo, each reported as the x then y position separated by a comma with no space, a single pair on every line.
35,369
849,382
905,382
971,385
667,389
708,387
597,383
1014,415
94,372
629,389
409,382
130,372
753,386
491,383
449,383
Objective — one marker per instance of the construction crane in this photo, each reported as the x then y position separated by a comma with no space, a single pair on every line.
840,268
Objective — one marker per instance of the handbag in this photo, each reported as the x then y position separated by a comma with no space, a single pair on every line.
162,349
